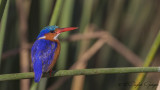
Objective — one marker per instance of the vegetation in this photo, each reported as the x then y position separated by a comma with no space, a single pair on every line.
114,36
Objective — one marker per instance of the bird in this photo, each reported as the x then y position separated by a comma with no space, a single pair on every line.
46,49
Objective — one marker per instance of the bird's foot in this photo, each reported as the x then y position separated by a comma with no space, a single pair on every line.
52,72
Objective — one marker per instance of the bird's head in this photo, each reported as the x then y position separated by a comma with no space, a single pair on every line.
52,32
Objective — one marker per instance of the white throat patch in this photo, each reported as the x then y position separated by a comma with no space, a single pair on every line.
55,38
43,37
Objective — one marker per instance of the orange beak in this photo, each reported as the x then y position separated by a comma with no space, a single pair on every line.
60,30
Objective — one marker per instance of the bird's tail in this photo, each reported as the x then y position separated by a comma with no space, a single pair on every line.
37,70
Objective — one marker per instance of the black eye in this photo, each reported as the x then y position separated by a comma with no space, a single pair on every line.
52,31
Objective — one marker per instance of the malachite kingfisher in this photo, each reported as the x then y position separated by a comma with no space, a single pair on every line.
46,49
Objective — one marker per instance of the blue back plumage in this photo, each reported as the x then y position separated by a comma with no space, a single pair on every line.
42,54
47,30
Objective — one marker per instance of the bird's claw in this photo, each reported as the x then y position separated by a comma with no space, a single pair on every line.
52,72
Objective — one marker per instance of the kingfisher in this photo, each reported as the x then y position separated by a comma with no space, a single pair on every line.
46,49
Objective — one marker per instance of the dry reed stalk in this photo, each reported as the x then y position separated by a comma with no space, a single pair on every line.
23,11
78,81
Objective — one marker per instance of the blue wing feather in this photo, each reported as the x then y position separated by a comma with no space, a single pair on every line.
42,54
38,70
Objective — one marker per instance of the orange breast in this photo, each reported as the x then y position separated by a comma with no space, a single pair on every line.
57,52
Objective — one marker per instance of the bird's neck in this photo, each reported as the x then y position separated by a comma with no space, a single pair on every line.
51,37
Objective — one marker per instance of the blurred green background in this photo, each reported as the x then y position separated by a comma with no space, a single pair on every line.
134,24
